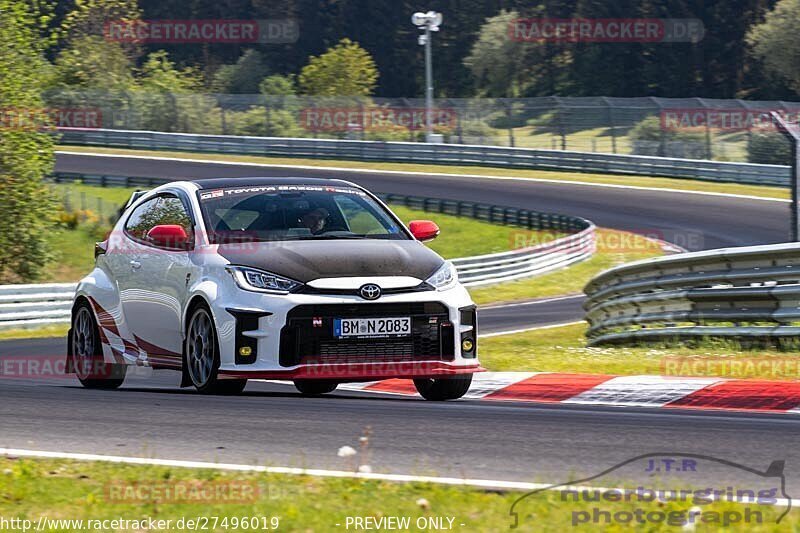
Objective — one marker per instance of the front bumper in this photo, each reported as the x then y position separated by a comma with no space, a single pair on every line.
360,371
290,336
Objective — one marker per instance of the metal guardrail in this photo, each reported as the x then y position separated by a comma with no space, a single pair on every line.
25,306
434,153
748,293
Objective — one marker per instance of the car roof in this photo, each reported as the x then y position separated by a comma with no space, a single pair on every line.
222,183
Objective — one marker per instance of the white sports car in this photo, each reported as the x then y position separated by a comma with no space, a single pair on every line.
313,281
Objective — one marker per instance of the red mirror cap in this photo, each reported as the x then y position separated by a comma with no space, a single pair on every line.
168,235
423,230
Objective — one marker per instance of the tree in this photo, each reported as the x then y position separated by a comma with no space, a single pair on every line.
158,97
91,62
280,105
776,42
277,85
243,76
497,62
26,154
344,70
91,18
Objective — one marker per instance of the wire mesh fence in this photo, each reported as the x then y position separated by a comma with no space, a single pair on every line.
80,205
693,128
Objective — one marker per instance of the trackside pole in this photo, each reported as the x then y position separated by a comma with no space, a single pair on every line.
791,130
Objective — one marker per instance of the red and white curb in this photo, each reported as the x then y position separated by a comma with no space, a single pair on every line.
618,391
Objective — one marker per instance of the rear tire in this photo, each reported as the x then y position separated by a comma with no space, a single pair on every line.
201,356
315,387
442,389
87,353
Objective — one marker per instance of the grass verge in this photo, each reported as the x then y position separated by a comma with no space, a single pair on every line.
69,490
564,349
59,330
611,179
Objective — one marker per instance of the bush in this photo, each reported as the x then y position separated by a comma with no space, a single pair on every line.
769,149
69,220
649,138
260,122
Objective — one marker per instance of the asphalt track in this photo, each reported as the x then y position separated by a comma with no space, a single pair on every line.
270,424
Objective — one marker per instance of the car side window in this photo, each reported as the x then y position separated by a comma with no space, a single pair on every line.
160,210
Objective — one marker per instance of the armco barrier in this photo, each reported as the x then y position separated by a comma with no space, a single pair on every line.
434,153
23,306
739,293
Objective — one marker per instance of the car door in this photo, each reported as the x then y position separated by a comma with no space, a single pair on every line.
154,290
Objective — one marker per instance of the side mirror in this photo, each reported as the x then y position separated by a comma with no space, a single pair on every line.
169,236
423,230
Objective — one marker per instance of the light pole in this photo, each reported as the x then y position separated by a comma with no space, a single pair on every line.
427,22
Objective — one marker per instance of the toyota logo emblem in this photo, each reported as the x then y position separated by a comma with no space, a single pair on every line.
370,291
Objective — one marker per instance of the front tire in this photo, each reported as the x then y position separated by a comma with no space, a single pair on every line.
442,389
87,353
201,356
314,387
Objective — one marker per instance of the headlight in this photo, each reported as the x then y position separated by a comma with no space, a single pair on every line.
251,279
444,278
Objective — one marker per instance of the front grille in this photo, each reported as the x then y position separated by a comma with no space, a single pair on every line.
308,336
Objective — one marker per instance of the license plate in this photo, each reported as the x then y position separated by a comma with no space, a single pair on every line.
371,327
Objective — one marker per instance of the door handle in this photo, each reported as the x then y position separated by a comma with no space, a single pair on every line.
135,265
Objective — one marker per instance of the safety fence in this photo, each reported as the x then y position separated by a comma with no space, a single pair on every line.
746,294
695,128
445,154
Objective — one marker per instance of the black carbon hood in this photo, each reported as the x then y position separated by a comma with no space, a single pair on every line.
305,261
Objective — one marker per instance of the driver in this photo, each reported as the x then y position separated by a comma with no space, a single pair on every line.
315,220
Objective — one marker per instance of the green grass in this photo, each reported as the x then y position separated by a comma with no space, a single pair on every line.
572,279
74,254
566,176
34,333
564,349
58,489
463,237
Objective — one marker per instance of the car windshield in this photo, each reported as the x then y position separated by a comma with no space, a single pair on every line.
295,212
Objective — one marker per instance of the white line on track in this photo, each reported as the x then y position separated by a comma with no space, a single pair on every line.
397,478
404,478
532,302
417,173
534,328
